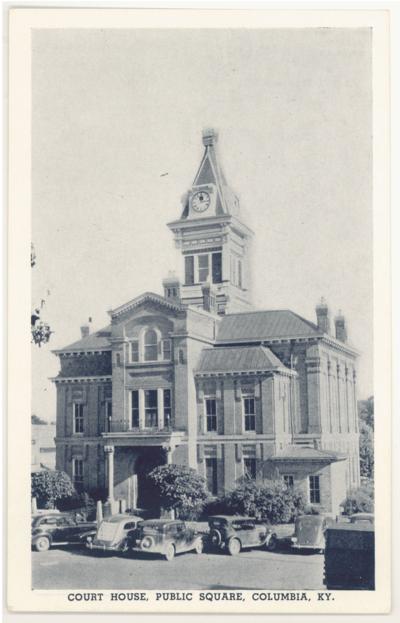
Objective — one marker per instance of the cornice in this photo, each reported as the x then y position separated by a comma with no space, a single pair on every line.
82,379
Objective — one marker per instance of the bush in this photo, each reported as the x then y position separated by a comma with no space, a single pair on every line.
359,500
180,489
81,502
50,487
271,500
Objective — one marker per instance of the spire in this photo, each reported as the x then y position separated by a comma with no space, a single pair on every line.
210,137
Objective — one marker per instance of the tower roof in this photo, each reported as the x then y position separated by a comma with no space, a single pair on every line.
210,173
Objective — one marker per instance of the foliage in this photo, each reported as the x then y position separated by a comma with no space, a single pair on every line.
81,502
360,500
366,411
366,450
309,509
271,500
37,420
40,330
179,488
49,487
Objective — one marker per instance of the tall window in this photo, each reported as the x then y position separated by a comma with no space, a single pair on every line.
150,345
211,414
134,351
288,480
250,470
203,264
150,408
135,409
211,475
77,473
217,267
239,273
167,407
315,493
78,417
166,350
108,409
189,270
249,413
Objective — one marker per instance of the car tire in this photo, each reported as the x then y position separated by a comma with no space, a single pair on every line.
234,547
272,544
170,553
199,547
215,538
42,544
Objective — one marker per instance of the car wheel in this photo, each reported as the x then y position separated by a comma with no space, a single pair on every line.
272,543
170,552
42,544
234,547
215,538
199,546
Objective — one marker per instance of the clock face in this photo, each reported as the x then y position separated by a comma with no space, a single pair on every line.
200,201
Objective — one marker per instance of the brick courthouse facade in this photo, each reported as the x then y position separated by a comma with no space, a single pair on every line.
198,377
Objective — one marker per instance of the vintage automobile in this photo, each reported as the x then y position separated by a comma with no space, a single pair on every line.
349,562
167,537
362,518
114,534
49,529
232,533
309,532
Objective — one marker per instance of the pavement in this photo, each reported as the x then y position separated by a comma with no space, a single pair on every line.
78,568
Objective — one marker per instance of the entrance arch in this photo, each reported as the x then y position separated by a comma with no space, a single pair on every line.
148,459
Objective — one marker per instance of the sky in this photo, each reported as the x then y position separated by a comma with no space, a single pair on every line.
113,111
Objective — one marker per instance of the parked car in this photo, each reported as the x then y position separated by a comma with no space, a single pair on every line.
49,529
167,537
309,532
115,534
349,562
362,518
232,533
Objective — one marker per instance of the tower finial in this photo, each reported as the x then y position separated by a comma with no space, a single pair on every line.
209,137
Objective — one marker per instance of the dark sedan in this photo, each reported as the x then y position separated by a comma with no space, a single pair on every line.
59,529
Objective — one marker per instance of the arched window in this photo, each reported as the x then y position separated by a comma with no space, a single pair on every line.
150,345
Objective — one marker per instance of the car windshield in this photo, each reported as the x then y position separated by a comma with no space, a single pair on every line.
217,523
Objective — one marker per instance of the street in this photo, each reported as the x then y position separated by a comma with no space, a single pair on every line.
77,568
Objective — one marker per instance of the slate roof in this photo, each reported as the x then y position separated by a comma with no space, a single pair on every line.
237,359
98,340
264,325
306,453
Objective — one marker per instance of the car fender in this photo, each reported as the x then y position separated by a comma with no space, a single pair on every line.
42,534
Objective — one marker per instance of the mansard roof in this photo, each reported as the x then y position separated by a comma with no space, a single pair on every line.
238,359
264,325
98,340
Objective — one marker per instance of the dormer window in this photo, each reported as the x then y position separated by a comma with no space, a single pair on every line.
149,347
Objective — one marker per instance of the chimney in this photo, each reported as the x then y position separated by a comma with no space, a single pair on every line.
172,288
340,327
323,320
85,328
209,137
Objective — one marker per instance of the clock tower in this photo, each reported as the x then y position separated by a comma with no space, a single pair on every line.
214,241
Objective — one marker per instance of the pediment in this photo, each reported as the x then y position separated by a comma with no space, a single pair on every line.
148,302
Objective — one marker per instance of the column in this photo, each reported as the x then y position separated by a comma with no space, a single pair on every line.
141,409
160,408
109,452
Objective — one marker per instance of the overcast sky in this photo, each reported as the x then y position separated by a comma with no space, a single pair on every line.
113,111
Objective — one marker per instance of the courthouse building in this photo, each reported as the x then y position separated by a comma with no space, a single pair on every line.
198,377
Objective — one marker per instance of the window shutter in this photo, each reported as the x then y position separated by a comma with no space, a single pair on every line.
217,267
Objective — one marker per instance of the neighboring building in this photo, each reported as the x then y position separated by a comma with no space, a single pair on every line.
43,447
197,377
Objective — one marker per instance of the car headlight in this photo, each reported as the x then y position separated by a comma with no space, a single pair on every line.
89,539
294,539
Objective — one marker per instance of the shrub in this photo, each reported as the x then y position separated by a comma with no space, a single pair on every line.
359,500
180,489
49,487
81,502
271,500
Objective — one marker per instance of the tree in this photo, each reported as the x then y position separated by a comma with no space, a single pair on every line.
37,420
40,330
49,487
360,500
366,451
366,411
271,500
179,488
